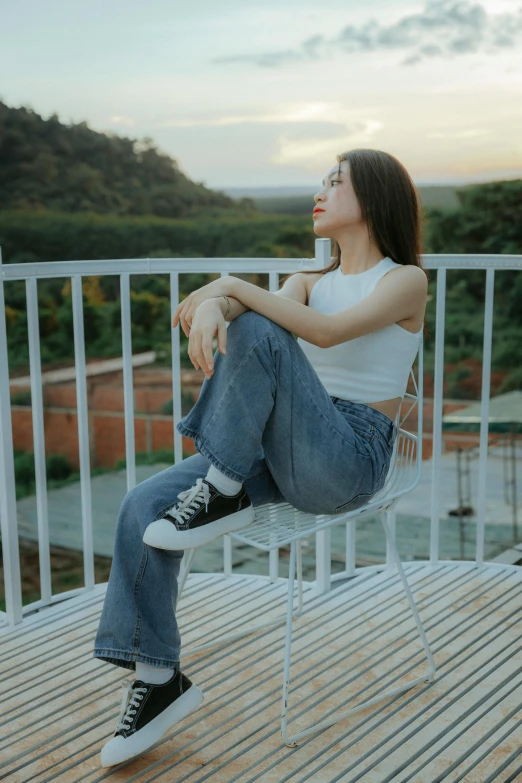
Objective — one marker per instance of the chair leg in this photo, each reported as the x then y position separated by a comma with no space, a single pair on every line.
186,563
288,646
251,629
393,547
293,741
299,611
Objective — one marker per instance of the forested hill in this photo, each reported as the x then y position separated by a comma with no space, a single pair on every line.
45,164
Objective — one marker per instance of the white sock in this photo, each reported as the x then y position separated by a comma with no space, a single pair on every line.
155,675
222,483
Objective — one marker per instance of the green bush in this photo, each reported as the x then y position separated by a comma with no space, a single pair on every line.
24,468
58,467
154,458
21,398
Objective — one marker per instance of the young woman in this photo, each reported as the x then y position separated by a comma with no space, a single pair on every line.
309,421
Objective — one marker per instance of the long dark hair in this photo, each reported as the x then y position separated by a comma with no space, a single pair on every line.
390,206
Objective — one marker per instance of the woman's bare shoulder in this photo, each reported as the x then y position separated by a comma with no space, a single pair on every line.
409,271
310,279
417,282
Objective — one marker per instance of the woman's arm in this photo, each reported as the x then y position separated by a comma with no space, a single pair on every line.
394,298
236,308
301,320
293,288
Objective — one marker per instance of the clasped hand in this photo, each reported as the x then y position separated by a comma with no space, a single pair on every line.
201,318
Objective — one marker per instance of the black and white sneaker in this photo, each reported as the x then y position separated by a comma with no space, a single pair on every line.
147,713
202,515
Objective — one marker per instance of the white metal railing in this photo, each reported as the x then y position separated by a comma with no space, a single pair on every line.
173,267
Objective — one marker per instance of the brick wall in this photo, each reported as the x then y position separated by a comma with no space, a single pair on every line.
153,429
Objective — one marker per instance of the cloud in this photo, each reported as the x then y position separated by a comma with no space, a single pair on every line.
444,29
306,151
284,114
301,133
118,119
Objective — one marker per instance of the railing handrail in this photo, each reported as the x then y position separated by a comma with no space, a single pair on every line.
118,266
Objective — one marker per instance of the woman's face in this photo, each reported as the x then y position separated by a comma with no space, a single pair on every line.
339,202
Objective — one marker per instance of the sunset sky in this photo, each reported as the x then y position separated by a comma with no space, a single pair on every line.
266,92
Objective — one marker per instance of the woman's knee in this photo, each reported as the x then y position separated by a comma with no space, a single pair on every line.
255,326
138,505
250,320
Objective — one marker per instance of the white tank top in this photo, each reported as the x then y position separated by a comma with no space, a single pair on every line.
370,368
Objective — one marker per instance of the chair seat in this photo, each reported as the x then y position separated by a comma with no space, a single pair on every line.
277,524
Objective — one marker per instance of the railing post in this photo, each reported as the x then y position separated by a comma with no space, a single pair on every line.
391,519
323,252
350,547
484,418
33,329
227,540
323,558
8,520
83,431
128,385
438,399
273,555
176,368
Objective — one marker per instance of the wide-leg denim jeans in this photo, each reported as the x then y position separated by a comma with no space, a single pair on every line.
263,418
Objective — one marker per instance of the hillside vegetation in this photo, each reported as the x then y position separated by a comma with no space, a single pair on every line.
442,197
135,203
45,164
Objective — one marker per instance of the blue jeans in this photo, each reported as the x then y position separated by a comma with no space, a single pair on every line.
263,418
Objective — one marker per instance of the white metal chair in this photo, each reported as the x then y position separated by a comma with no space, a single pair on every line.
277,525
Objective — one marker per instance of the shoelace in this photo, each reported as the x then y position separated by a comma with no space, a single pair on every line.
126,710
190,499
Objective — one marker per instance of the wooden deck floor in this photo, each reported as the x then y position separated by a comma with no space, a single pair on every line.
60,705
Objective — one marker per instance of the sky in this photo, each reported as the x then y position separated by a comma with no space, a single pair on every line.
265,93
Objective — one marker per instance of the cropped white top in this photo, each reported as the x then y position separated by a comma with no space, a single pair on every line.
370,368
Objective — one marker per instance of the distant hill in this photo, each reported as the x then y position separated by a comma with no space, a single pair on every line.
270,192
298,200
45,164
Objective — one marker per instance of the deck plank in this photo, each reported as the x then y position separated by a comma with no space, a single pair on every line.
61,705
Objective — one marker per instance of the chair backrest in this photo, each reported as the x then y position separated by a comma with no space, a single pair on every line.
406,460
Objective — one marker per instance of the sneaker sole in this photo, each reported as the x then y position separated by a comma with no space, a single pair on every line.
164,535
120,749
